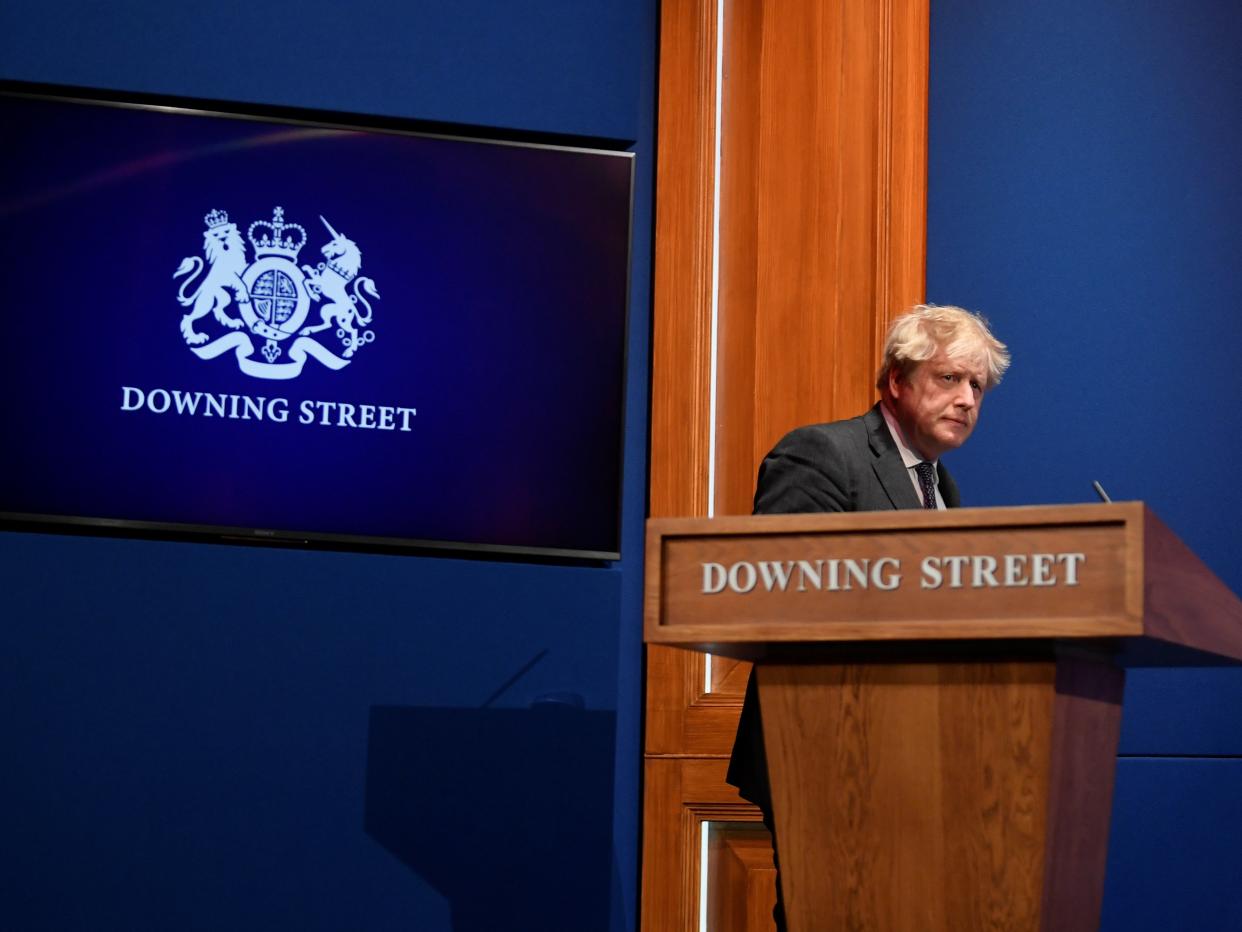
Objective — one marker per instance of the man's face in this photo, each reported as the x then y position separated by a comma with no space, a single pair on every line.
937,403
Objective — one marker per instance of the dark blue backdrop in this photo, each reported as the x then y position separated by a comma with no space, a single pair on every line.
203,736
1084,194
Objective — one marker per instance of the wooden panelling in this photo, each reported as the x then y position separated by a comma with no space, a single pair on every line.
822,215
901,196
741,207
683,718
729,676
740,859
681,794
681,346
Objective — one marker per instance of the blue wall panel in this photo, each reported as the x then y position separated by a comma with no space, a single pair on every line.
1173,860
563,66
204,736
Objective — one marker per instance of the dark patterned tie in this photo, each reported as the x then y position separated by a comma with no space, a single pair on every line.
927,481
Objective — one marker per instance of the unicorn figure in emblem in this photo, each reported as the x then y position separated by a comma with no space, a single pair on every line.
332,280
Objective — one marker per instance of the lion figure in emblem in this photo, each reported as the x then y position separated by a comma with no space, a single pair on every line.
332,280
226,261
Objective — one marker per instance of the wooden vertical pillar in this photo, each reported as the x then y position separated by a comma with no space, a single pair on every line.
768,312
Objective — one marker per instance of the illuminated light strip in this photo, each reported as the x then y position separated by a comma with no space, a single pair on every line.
711,401
711,426
704,827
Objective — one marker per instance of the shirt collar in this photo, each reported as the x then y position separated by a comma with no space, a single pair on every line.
908,456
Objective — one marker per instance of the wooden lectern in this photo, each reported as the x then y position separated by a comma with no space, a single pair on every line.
941,694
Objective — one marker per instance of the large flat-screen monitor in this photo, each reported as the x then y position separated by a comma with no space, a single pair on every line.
241,325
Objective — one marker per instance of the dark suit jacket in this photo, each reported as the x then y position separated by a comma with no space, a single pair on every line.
849,465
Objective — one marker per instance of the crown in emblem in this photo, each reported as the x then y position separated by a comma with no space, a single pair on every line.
274,238
217,218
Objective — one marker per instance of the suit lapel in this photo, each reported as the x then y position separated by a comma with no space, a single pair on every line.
888,466
948,488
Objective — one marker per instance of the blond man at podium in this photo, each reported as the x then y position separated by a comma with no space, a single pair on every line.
938,364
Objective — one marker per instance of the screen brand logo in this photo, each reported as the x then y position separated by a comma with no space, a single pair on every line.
273,296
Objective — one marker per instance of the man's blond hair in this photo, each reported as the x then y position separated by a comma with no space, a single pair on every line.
919,334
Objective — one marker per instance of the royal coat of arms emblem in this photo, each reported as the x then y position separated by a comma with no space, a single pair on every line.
273,297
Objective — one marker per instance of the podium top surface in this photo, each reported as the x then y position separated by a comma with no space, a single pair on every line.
1106,574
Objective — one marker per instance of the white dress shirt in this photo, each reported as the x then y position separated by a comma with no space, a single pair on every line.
909,457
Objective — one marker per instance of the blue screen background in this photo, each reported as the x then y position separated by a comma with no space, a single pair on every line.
502,275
